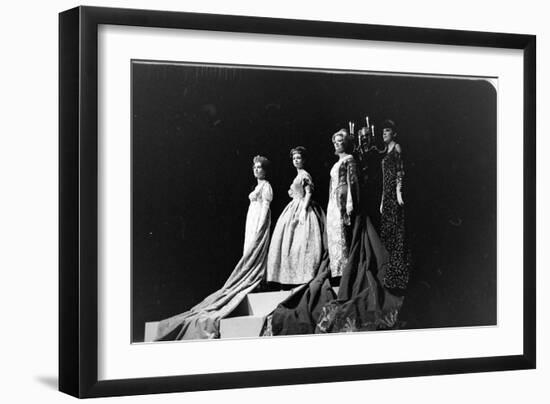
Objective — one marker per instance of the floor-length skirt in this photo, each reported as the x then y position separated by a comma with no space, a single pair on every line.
296,248
203,320
337,238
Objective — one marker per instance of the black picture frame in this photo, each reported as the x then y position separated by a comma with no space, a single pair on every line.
78,201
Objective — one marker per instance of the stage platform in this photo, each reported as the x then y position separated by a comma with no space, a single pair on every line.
246,320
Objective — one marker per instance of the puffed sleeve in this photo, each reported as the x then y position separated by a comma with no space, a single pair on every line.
267,193
307,183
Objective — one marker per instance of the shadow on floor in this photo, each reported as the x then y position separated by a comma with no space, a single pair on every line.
48,381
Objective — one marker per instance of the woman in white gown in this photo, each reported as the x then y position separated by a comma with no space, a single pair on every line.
202,321
258,210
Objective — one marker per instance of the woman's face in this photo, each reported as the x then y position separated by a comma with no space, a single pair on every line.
387,135
297,160
338,144
259,171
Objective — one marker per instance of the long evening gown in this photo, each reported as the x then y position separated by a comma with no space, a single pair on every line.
342,194
393,223
202,321
296,248
362,303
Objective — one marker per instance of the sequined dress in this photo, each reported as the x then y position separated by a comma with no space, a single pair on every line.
393,223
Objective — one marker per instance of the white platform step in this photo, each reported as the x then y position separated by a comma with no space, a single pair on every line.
241,326
259,304
246,320
150,331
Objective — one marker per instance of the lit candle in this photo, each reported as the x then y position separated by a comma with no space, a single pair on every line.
372,130
368,121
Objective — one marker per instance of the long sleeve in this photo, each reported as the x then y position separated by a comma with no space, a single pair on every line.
352,201
400,174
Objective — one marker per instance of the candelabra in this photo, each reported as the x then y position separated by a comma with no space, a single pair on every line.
365,141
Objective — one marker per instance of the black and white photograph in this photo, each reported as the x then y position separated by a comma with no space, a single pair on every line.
270,201
275,202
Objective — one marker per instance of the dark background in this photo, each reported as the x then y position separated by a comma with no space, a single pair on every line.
195,130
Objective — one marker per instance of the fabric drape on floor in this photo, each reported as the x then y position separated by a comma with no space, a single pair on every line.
203,320
298,314
362,303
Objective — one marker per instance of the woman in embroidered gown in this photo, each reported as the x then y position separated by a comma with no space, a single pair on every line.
202,321
362,303
343,199
392,214
297,242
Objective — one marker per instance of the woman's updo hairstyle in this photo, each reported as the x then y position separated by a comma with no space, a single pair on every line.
346,137
264,162
301,150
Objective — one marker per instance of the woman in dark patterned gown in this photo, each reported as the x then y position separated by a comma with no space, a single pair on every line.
392,230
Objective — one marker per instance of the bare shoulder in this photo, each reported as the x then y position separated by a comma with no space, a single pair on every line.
398,148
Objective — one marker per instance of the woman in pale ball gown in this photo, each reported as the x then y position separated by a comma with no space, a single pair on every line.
202,321
297,242
343,200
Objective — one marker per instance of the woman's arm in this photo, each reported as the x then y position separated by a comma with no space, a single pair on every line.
400,176
307,198
352,201
267,197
